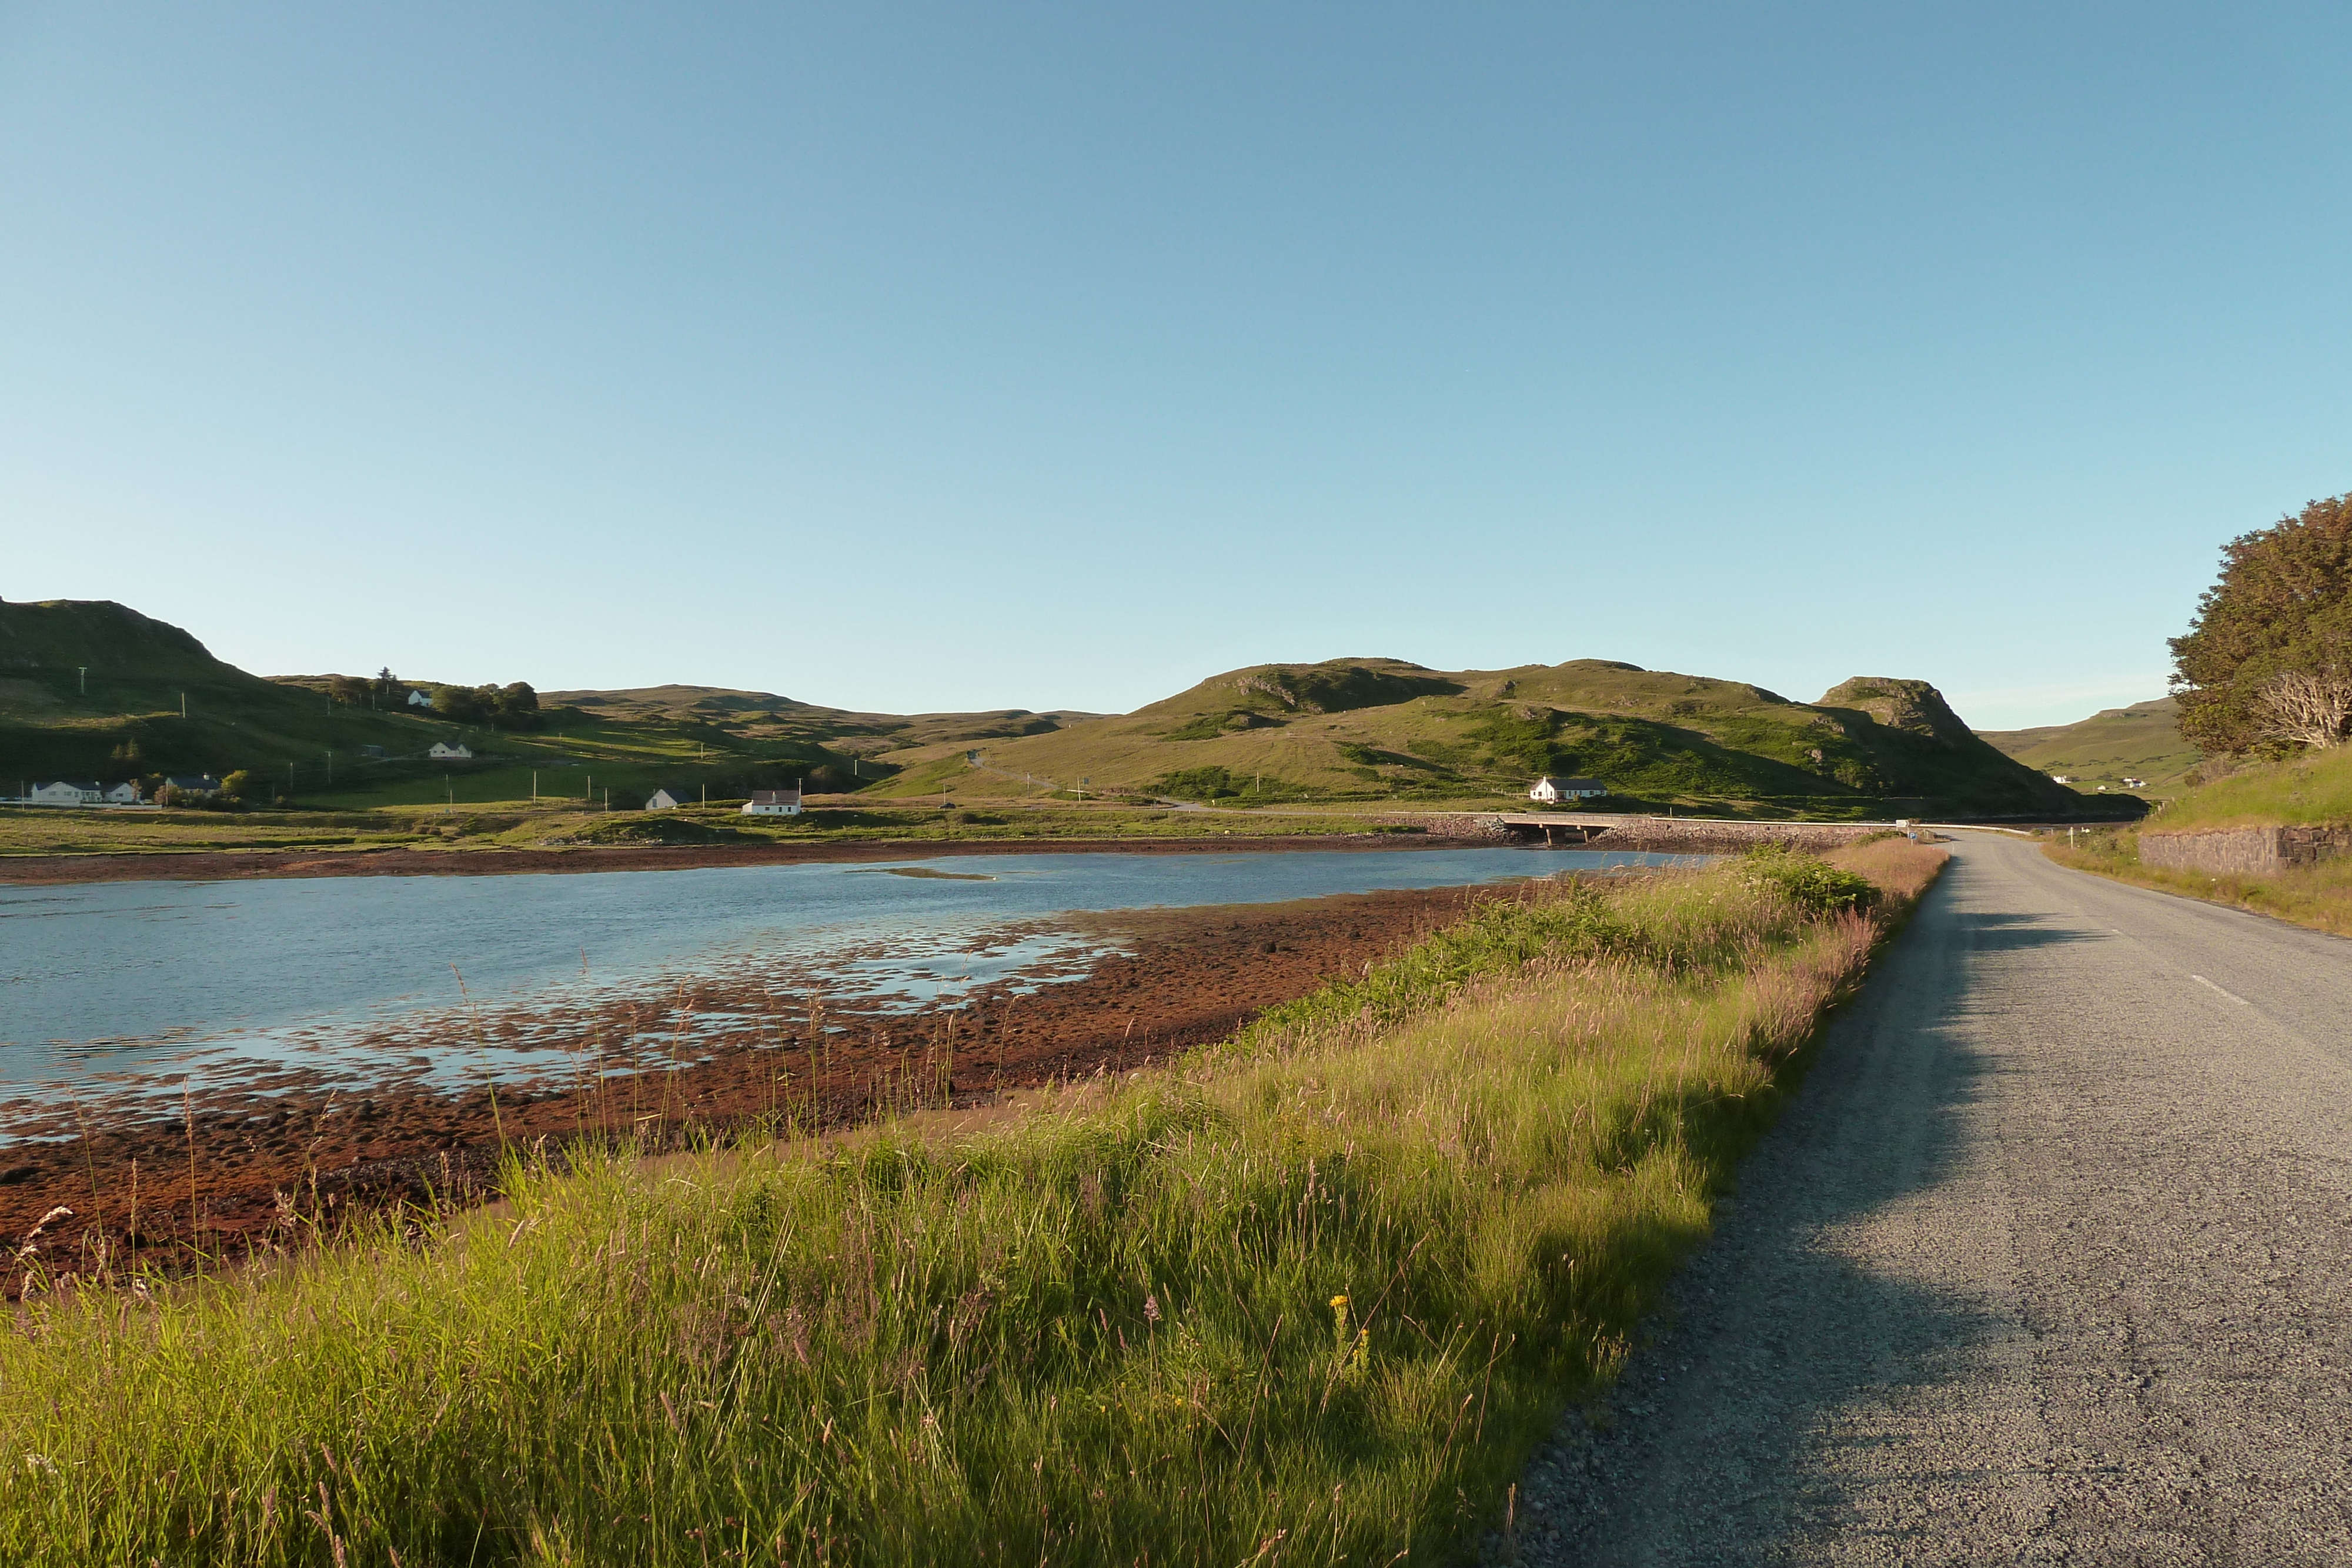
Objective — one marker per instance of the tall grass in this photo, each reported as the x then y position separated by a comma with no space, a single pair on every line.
1306,1298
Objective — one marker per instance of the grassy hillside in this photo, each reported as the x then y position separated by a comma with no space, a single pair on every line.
91,689
1378,729
2311,788
2142,741
766,717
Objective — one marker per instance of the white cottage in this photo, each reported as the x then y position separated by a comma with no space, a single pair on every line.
666,800
442,751
773,803
1552,790
420,699
123,794
66,792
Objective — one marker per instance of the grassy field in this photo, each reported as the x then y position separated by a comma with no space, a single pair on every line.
1383,731
526,824
2318,896
2142,741
1309,1297
2308,789
2311,787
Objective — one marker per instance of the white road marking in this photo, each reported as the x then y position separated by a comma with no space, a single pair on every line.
2212,987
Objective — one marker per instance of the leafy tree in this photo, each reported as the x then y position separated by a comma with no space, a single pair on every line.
516,704
2283,608
348,690
462,704
238,785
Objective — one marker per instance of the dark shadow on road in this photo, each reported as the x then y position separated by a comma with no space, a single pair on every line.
2000,932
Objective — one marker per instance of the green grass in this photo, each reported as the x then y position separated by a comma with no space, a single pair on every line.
477,823
1381,731
2142,741
2311,787
1309,1297
2318,896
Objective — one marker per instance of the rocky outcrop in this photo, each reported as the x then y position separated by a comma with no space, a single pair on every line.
1913,706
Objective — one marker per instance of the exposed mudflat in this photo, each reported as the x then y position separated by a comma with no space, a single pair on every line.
1187,976
2049,1261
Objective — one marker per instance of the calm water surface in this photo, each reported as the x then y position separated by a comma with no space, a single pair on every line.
117,981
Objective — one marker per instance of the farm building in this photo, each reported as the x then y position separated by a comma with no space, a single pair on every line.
193,784
443,751
666,800
1554,790
420,699
774,803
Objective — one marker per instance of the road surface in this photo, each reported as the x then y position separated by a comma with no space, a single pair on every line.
2049,1261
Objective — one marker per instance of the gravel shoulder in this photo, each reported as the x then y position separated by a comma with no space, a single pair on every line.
2047,1262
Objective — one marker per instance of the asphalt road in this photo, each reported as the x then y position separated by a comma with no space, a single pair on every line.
2049,1261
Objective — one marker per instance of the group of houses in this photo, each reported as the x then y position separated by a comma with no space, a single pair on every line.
77,792
762,803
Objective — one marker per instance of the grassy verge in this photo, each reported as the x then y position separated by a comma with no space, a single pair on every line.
528,824
1309,1297
2318,896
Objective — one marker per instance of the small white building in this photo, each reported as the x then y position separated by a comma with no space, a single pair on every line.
420,699
66,792
2062,779
1552,790
2135,783
666,800
123,794
442,751
773,803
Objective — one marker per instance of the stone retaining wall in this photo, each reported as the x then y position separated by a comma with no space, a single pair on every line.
1676,835
2245,851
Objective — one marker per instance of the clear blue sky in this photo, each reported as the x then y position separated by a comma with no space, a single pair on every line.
991,356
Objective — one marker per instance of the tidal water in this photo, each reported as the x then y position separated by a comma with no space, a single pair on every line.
107,984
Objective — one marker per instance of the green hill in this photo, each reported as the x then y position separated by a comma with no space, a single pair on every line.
764,716
1382,729
2142,741
2315,787
91,689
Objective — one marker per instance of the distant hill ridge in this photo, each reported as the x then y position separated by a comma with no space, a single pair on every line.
1382,728
1358,728
2141,741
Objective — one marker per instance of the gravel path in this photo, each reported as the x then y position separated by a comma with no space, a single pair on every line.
2048,1263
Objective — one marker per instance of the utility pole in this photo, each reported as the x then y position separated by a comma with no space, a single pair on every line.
534,786
183,704
85,678
330,771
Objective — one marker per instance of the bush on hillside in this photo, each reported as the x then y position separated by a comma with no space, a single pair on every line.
1814,886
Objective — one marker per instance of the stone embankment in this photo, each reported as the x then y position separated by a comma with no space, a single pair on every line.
2245,851
1673,835
1682,835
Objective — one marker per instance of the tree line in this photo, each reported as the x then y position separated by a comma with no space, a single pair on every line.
514,706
